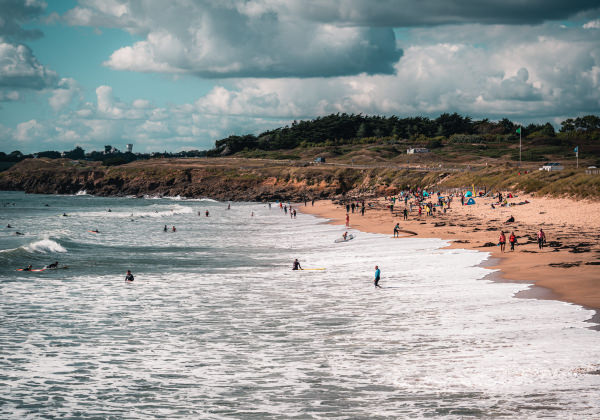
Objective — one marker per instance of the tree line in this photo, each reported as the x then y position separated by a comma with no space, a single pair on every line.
348,128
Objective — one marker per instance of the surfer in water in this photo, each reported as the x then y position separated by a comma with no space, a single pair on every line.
29,268
377,277
165,229
206,213
53,265
296,265
129,276
174,230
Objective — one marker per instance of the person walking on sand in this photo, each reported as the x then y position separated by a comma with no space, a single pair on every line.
377,277
513,240
502,241
347,220
541,238
405,214
397,230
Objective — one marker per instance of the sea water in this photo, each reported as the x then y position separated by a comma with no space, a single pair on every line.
217,325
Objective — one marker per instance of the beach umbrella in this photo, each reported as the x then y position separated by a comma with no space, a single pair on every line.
469,194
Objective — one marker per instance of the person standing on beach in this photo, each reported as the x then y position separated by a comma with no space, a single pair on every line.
513,240
347,220
397,230
377,277
502,241
405,214
541,238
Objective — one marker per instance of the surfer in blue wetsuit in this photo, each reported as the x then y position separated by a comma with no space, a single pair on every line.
377,277
129,276
297,265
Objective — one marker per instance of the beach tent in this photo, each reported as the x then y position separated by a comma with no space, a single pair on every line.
425,194
471,201
469,194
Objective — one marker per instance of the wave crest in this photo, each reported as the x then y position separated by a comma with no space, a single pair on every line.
44,246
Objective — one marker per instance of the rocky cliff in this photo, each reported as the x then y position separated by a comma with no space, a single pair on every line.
223,179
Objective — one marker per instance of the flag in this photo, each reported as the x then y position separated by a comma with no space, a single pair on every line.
519,130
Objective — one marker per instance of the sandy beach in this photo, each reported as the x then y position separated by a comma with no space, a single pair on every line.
567,269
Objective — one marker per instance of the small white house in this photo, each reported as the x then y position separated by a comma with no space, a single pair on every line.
552,166
414,150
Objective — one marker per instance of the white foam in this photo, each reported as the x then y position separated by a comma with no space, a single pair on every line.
81,192
44,246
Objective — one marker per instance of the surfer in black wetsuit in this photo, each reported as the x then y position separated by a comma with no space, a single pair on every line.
297,265
165,229
53,265
29,267
129,276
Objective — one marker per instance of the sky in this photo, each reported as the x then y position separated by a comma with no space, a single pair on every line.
178,75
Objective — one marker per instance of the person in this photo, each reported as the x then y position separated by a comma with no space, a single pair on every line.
96,231
174,230
377,277
65,214
109,210
129,276
512,239
352,207
206,213
312,203
347,220
19,233
347,208
405,214
165,229
28,268
345,236
397,230
296,265
541,238
252,214
228,206
269,206
502,241
295,213
510,219
9,226
53,265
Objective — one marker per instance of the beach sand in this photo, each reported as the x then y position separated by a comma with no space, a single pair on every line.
568,270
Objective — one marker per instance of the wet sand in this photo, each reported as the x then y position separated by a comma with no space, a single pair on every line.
567,269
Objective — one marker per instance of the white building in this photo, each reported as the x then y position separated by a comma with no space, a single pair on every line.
417,150
552,166
130,147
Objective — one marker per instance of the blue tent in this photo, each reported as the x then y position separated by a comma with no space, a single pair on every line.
469,194
471,201
425,194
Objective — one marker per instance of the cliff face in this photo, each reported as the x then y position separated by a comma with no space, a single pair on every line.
215,179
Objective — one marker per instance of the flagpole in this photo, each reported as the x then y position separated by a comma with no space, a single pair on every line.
520,129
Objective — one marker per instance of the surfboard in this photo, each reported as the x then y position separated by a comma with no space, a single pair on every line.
93,231
33,269
348,238
305,269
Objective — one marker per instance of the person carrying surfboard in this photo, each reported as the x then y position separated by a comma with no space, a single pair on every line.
296,265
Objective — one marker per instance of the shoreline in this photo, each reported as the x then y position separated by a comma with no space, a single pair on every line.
569,271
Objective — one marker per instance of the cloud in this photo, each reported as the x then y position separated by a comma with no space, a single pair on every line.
29,131
15,13
19,68
68,90
593,24
292,38
237,39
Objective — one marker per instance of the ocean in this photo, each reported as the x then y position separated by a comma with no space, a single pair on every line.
216,325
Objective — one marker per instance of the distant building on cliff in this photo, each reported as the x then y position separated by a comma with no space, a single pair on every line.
130,147
414,150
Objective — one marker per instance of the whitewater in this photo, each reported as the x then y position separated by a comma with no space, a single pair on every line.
217,325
